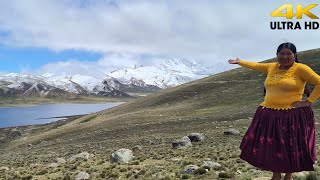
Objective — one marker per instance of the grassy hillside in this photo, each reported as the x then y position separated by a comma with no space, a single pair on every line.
209,106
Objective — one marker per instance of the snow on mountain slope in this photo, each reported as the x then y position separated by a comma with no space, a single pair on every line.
31,85
16,78
140,78
164,74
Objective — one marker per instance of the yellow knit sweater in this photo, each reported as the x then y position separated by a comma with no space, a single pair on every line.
284,87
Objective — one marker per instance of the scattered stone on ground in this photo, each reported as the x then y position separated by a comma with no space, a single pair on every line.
122,156
189,169
182,143
211,164
83,155
196,137
82,175
231,132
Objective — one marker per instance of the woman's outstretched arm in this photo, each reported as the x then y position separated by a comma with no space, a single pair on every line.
261,67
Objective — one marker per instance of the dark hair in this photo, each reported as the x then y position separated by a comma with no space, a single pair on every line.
287,45
293,48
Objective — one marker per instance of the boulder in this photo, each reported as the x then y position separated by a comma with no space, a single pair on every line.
122,156
211,164
231,132
182,143
82,175
196,137
189,169
83,155
53,165
60,161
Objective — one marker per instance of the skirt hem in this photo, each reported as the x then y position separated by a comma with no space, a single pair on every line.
249,160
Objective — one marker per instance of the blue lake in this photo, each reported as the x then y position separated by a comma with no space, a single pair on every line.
41,114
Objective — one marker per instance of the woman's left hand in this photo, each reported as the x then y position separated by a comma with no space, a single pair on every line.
301,103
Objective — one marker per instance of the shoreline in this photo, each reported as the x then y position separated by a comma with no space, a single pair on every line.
8,134
34,101
65,119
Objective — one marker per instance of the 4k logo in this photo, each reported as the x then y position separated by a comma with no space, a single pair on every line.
299,11
287,11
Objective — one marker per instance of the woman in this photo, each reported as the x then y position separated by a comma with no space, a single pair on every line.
281,137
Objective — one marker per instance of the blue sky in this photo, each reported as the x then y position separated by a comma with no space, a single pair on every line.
78,36
30,59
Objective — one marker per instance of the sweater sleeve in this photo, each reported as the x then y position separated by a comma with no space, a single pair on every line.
261,67
307,74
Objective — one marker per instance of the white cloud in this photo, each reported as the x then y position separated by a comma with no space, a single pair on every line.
112,61
93,68
71,67
207,31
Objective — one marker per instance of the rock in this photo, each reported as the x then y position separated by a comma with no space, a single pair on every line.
211,164
15,134
4,168
122,156
82,175
175,159
53,165
60,161
196,137
83,155
136,148
146,141
182,143
189,169
231,132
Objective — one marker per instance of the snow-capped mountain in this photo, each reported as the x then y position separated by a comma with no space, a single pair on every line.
140,78
163,74
50,85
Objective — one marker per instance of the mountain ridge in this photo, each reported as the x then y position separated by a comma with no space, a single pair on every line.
163,74
118,83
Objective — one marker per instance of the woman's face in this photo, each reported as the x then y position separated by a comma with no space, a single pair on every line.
285,57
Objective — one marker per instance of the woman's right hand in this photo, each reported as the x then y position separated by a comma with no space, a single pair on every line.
234,61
